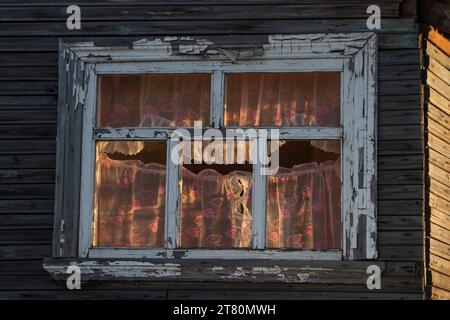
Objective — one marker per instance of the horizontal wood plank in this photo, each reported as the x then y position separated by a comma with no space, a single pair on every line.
106,3
400,222
108,28
28,59
399,72
26,221
27,267
398,132
27,131
398,87
399,102
29,146
402,162
395,177
29,88
39,73
25,252
28,102
400,237
399,117
27,176
402,253
400,192
28,116
27,161
204,12
400,207
24,191
399,147
398,57
25,236
26,206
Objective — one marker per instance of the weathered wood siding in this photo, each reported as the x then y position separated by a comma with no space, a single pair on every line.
29,33
436,93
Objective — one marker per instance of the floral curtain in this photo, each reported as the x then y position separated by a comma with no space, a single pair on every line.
283,99
130,203
156,100
216,209
303,206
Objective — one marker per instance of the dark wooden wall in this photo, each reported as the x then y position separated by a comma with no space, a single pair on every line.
29,33
435,13
436,91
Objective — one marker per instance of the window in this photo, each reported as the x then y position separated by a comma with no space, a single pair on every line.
130,200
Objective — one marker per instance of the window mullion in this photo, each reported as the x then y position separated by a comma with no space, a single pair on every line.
172,198
217,100
259,151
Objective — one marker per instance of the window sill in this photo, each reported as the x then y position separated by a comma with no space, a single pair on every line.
292,271
205,254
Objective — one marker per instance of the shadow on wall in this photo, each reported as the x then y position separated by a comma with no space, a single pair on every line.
435,13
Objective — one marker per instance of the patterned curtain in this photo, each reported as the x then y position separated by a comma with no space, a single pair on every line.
130,203
283,99
303,206
157,100
216,209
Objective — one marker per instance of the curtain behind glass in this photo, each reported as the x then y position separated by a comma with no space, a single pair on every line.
156,100
130,203
303,207
286,99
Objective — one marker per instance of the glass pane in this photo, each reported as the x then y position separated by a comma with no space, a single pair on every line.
130,194
156,100
304,197
283,99
216,205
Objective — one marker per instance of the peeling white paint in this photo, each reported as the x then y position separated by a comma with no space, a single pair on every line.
303,277
168,39
200,46
151,271
331,45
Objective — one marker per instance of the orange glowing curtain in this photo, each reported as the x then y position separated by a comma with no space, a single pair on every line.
303,207
130,203
216,209
156,100
283,99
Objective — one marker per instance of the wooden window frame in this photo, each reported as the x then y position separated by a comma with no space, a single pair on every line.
353,54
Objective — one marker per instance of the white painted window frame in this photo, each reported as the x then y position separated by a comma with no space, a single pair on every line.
354,55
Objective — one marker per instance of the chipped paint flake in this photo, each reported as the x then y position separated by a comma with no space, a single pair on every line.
303,277
198,47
